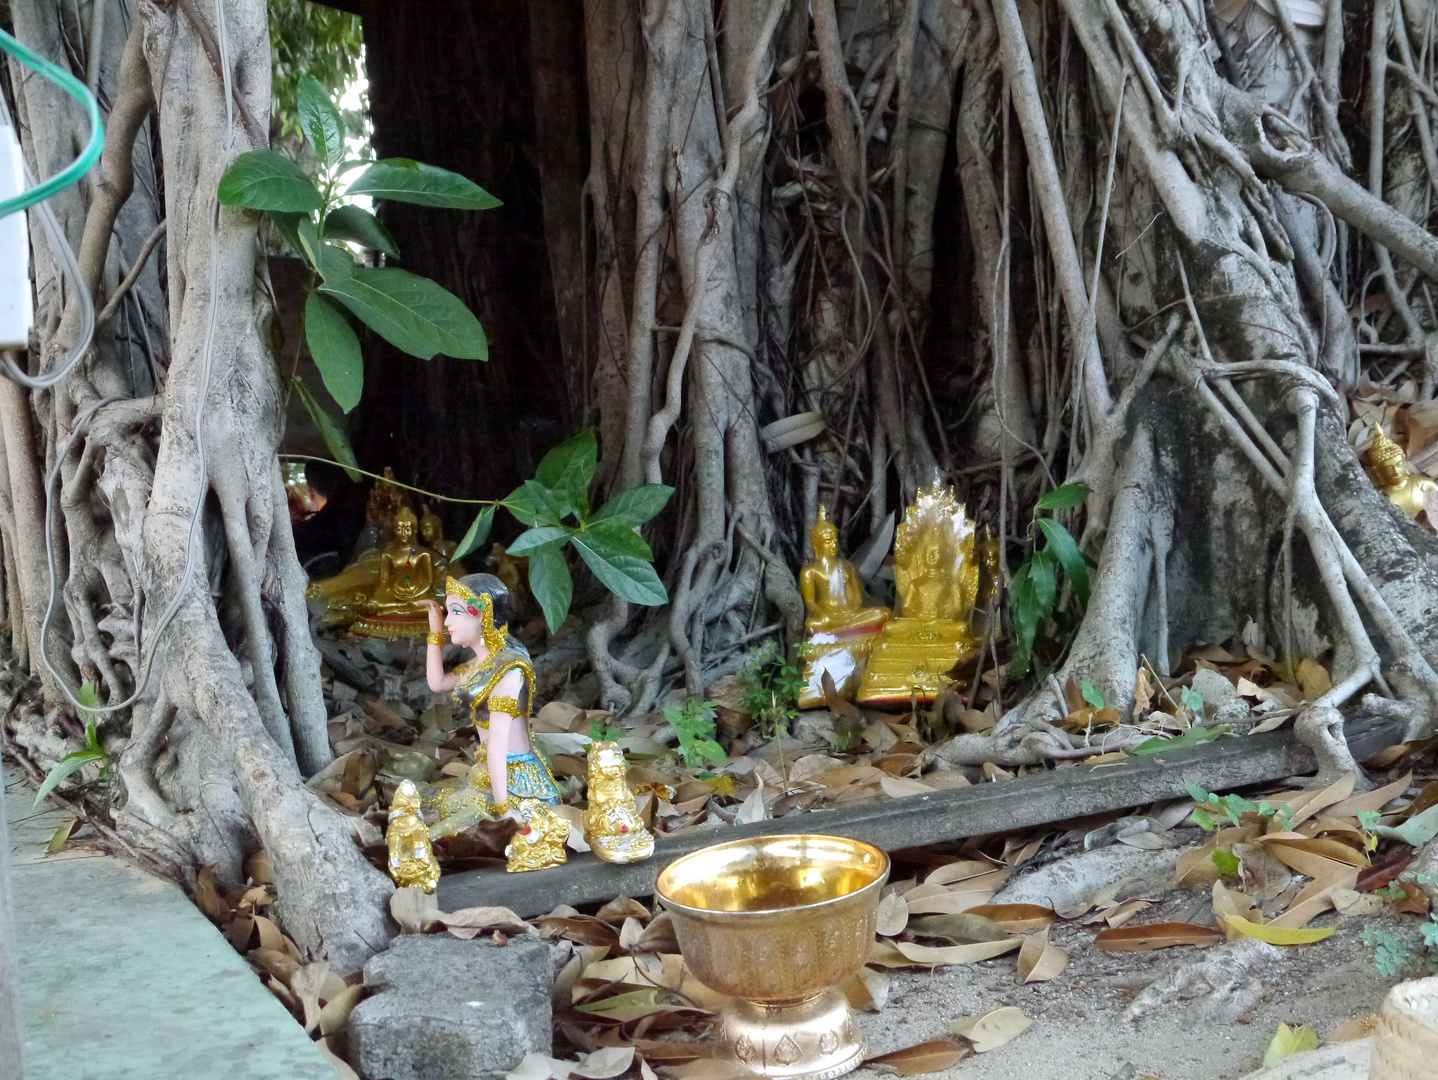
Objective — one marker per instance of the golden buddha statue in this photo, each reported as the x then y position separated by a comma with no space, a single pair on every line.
539,844
612,825
407,575
937,578
334,599
411,857
841,629
1390,474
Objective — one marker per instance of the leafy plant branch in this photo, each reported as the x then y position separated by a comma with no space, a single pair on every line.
413,313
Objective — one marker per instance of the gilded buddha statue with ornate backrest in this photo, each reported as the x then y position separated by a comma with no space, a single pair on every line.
407,575
937,578
840,628
1390,474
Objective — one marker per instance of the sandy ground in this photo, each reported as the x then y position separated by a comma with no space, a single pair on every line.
1080,1031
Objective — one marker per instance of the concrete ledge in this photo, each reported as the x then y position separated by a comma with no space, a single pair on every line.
1057,795
122,978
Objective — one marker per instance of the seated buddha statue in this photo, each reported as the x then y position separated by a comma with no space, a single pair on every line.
334,599
937,578
411,856
840,628
1390,474
406,576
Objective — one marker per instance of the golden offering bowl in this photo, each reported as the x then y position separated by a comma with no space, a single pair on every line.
778,923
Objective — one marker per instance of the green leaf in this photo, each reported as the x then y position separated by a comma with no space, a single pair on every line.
1417,830
627,576
622,538
412,313
321,121
536,538
335,439
1061,498
357,224
635,506
1194,736
1045,579
336,351
1227,863
533,505
1024,609
551,584
1063,545
1192,700
1092,694
477,533
61,836
1288,1041
409,181
70,763
334,263
1196,793
288,226
265,180
567,470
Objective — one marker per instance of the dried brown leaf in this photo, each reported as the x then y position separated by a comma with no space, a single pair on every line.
621,908
955,954
1017,918
208,897
993,1028
893,916
936,1055
416,911
1156,936
1040,959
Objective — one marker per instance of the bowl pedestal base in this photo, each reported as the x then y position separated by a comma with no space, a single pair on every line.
809,1040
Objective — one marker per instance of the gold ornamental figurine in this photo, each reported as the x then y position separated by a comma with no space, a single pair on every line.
840,628
612,825
1390,474
937,578
411,857
539,844
779,923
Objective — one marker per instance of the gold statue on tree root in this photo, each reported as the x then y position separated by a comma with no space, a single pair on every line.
376,594
840,628
937,578
1390,474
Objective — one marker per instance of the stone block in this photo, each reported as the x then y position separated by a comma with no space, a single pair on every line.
452,1010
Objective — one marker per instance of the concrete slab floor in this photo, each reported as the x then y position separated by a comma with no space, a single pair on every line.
122,978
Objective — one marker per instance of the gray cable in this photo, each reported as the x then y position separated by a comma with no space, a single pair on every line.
67,258
71,269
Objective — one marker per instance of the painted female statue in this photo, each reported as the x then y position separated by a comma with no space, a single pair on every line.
495,690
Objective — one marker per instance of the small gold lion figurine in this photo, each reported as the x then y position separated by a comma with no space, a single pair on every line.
411,857
539,844
612,826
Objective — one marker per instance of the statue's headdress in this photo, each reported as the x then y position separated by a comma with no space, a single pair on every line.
1387,453
481,605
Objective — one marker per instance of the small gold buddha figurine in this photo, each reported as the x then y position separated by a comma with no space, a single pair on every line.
1390,474
937,577
411,857
334,599
406,576
539,844
841,629
612,825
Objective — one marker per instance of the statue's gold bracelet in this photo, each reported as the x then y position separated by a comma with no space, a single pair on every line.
501,808
435,637
504,705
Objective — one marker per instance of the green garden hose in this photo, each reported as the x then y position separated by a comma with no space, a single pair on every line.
76,89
